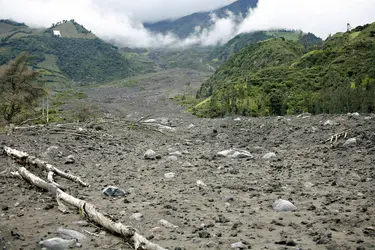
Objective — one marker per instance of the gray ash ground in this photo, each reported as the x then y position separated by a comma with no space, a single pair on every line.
332,186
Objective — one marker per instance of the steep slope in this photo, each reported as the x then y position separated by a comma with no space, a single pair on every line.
186,25
274,78
222,53
78,55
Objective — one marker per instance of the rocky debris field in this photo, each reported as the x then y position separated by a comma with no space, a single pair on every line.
233,183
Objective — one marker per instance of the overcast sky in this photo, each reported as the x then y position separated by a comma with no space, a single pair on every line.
121,20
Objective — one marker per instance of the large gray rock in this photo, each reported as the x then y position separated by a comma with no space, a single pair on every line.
350,142
235,153
269,156
283,206
137,216
238,245
69,234
150,155
57,244
114,191
51,153
70,159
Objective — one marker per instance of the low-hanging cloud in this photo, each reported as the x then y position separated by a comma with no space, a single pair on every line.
125,28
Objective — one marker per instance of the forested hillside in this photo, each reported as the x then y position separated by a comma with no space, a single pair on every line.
277,77
77,55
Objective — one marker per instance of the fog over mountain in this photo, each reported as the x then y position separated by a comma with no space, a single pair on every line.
121,21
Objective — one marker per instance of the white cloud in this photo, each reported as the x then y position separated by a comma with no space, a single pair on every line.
321,17
120,21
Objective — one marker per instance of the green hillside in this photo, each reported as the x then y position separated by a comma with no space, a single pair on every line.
222,53
78,55
278,77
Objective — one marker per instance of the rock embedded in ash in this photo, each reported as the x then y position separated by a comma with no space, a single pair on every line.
69,234
172,158
137,216
323,236
176,153
238,245
350,142
150,155
269,156
187,164
204,234
201,183
57,244
167,224
114,192
70,159
51,153
235,153
222,219
331,123
169,175
283,206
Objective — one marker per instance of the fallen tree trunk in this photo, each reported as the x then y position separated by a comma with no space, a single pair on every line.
88,210
25,159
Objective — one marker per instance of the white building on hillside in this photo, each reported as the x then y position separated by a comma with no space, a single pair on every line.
57,33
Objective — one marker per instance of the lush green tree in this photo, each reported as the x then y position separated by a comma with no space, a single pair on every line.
19,89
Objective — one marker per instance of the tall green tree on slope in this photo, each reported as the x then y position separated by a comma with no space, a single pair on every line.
19,88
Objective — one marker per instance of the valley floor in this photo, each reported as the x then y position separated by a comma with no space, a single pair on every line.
331,185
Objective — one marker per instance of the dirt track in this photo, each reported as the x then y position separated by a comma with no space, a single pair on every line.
331,186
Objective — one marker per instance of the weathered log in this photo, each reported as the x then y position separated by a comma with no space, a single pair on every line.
88,210
24,158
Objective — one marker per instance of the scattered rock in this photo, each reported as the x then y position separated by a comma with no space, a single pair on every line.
222,136
201,183
222,219
191,126
331,123
172,158
69,159
204,234
350,142
238,245
283,206
269,156
137,216
69,234
167,224
150,155
176,153
187,164
235,153
323,236
169,175
57,244
114,191
51,153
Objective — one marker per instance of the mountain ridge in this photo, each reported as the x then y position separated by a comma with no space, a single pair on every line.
185,26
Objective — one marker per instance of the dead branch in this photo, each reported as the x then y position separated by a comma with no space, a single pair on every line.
335,137
90,212
24,159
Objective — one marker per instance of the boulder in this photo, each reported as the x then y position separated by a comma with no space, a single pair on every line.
57,244
350,142
283,206
69,234
150,155
235,153
114,192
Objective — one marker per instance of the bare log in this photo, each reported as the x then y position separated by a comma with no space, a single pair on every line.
88,210
35,180
52,181
24,158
